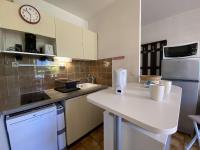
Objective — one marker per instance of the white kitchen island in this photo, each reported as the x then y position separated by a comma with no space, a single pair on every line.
157,119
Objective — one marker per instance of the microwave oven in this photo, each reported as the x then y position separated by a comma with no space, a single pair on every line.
190,50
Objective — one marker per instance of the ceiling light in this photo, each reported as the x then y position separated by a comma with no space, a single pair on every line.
63,59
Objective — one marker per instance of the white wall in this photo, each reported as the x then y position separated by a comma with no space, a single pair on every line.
182,28
118,28
55,11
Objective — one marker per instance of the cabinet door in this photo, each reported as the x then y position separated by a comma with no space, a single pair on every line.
81,117
69,40
10,19
133,137
90,45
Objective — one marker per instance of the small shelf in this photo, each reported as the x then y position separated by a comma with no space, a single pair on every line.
33,65
26,53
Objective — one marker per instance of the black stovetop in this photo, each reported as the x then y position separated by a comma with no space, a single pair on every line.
33,97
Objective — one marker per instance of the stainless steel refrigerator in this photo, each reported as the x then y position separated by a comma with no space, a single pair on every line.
185,73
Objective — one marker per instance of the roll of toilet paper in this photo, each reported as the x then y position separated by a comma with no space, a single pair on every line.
157,92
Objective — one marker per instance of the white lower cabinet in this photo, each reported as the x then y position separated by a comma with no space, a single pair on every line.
81,118
33,130
133,137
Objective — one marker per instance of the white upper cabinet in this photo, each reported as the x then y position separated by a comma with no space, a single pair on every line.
69,40
75,42
11,19
90,44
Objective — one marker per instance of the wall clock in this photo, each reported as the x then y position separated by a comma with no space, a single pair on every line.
29,14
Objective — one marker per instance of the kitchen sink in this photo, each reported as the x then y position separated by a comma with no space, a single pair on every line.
87,85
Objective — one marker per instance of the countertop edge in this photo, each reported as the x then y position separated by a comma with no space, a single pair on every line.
138,123
51,101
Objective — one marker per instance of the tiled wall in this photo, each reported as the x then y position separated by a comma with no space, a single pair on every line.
102,70
79,70
20,80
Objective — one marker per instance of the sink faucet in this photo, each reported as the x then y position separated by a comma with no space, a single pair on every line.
90,78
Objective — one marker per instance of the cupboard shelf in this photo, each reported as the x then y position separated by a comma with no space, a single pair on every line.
33,65
26,53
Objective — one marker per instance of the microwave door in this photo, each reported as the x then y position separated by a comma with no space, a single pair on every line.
181,51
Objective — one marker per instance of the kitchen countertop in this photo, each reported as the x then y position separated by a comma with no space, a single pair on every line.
137,107
55,96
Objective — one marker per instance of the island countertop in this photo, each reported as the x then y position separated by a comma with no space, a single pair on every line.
137,107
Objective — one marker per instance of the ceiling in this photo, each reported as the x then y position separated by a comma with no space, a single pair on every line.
154,10
82,8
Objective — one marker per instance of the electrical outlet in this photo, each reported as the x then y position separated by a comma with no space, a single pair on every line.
15,64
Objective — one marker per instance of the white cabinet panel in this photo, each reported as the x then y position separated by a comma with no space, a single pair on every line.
69,40
75,42
81,117
10,19
3,135
90,44
134,138
33,130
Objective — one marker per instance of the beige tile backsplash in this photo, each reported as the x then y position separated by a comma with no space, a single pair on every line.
21,80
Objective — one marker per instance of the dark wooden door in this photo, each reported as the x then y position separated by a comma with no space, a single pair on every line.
151,57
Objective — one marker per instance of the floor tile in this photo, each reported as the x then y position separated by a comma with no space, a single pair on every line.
90,144
78,146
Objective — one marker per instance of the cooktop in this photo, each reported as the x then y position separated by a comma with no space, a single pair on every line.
33,97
